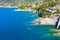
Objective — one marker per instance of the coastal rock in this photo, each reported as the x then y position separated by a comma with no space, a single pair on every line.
46,21
38,20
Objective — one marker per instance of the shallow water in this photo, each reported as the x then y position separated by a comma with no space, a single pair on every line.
14,25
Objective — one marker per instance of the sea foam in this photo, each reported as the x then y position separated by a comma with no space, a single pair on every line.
22,10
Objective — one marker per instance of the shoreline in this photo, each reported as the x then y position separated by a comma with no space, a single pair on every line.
8,7
25,10
43,24
38,21
41,21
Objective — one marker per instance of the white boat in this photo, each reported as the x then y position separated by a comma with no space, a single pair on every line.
58,26
58,23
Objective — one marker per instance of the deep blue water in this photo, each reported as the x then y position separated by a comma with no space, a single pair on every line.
14,25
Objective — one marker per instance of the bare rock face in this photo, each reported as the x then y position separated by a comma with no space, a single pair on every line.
38,20
46,21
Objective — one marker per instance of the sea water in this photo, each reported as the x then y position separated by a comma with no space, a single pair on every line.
16,25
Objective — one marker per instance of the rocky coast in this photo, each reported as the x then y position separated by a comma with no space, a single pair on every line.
46,21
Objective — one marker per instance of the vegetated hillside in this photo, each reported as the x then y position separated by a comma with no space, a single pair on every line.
16,2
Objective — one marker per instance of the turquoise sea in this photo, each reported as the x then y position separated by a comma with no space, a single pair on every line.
16,25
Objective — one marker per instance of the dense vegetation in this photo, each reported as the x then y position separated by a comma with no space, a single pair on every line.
42,8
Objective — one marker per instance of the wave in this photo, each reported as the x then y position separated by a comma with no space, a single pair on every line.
22,10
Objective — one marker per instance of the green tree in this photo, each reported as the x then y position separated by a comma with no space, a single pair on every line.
43,7
52,3
21,7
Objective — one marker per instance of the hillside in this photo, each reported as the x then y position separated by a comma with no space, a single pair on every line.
15,2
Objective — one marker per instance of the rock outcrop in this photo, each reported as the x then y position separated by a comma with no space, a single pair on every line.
46,21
